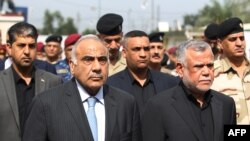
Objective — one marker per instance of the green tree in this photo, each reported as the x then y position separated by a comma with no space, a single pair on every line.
215,12
89,31
241,9
218,12
48,23
54,23
190,19
67,28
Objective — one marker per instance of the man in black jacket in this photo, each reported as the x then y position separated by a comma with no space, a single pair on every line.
137,79
191,110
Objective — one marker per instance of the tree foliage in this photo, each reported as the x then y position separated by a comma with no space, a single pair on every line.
241,9
217,12
54,23
89,31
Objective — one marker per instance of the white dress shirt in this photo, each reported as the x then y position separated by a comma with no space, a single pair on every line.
7,63
99,109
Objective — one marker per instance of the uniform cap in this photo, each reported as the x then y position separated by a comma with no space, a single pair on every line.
172,50
230,26
40,47
211,32
156,37
54,38
110,24
71,39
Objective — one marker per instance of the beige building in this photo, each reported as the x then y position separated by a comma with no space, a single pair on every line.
6,21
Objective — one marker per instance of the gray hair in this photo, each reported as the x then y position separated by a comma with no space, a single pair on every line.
85,37
196,45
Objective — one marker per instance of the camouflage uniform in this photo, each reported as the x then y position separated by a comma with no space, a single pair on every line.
63,70
119,66
228,82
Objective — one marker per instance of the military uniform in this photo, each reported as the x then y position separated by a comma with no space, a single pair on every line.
63,70
119,66
62,67
228,82
53,38
110,24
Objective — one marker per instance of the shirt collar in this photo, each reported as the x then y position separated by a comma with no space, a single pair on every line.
133,80
84,94
190,96
226,65
17,78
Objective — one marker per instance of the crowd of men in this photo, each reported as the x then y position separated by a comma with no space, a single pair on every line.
123,86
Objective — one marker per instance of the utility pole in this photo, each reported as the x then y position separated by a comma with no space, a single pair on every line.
152,15
99,9
158,16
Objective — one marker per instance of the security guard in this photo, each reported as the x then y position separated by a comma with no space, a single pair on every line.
157,51
109,27
211,37
53,48
232,72
62,67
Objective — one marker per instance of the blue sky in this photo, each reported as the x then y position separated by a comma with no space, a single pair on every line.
136,16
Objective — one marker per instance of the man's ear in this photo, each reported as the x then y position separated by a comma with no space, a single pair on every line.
8,48
124,52
72,66
179,69
219,43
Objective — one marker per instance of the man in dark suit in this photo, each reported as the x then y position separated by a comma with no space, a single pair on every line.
1,64
137,78
21,82
190,111
62,113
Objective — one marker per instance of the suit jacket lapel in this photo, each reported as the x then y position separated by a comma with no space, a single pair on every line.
73,102
11,93
110,109
126,78
217,112
40,82
183,108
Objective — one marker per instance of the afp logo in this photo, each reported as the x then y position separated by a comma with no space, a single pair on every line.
236,132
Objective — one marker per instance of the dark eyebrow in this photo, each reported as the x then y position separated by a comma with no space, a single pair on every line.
31,45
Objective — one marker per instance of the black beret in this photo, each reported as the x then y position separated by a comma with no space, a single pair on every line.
156,37
230,26
54,38
211,32
110,24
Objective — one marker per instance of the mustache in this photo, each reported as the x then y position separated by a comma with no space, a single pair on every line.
113,49
156,55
